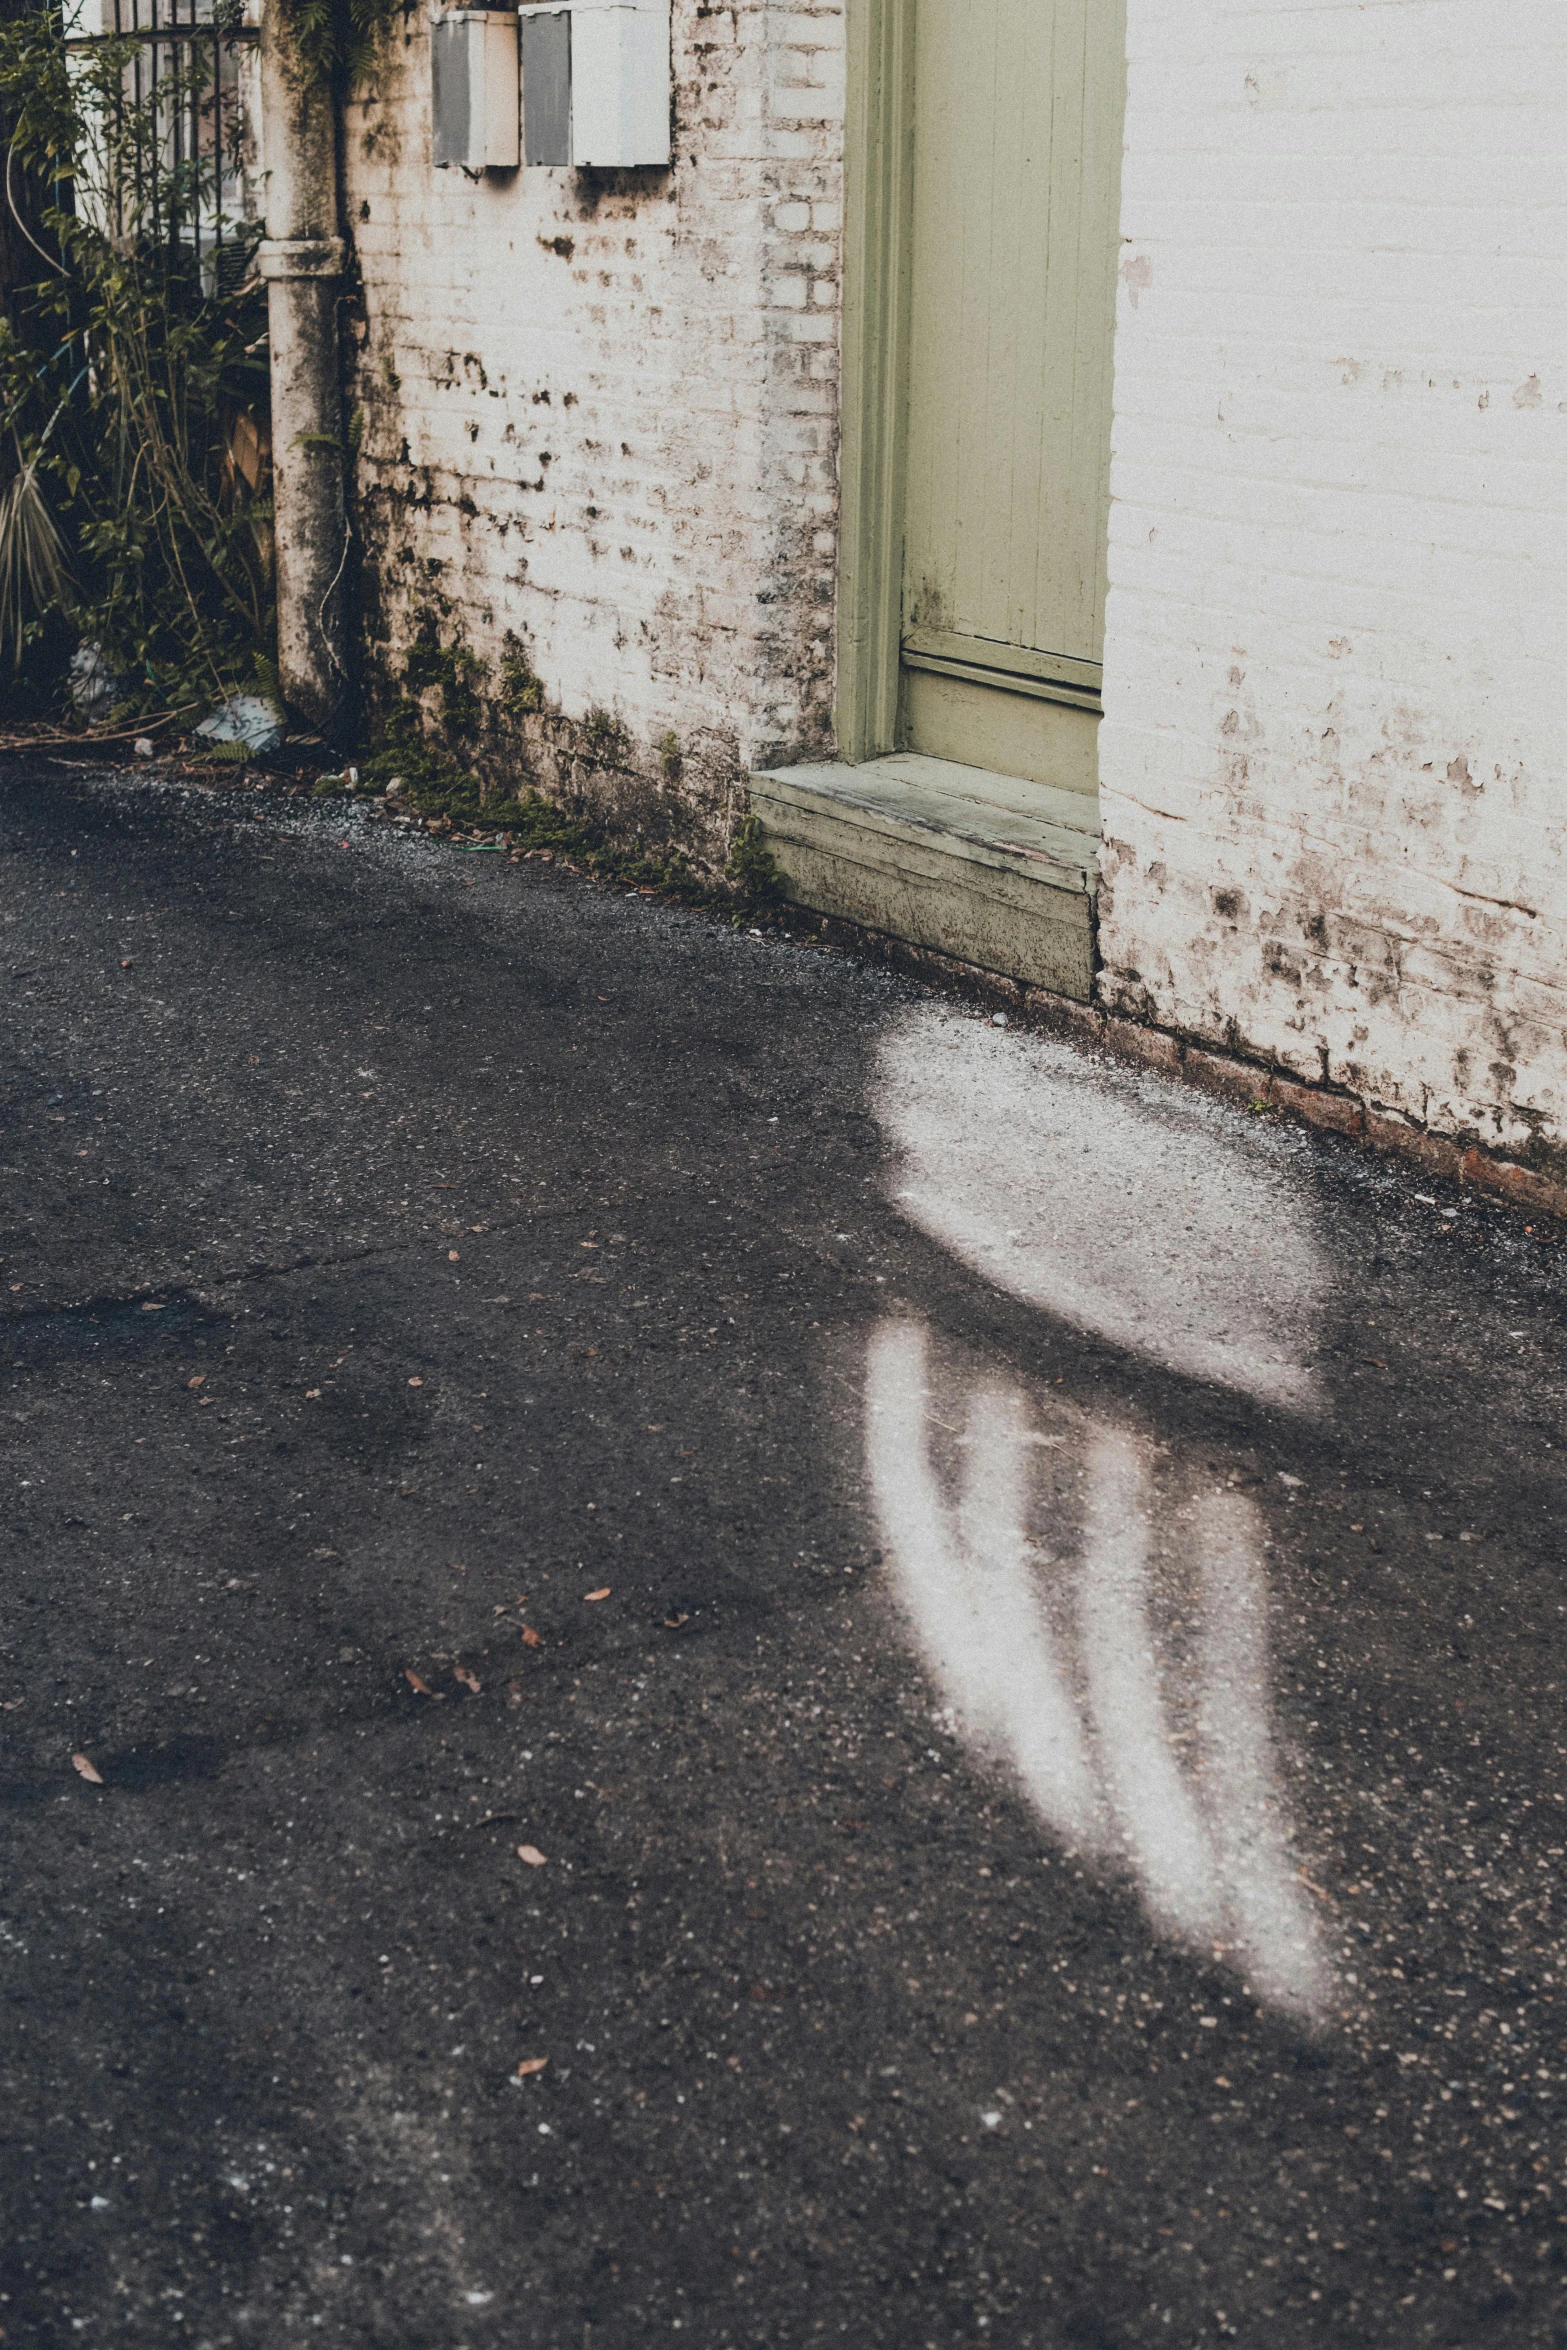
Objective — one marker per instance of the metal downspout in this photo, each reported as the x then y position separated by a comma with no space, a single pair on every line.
302,260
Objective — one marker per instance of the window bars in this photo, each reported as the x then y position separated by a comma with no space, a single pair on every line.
180,124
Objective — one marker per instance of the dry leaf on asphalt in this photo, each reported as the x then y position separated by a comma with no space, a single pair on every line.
9,1705
94,1778
514,1693
530,1638
200,1380
531,1854
468,1680
417,1683
604,1594
416,1382
531,2064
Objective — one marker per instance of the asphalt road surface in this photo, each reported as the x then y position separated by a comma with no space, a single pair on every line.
695,1647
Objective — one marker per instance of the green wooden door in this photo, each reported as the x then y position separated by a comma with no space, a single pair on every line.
1013,248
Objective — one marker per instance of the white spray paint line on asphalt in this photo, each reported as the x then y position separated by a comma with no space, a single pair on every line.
970,1592
1208,1848
1272,1918
1157,1816
1131,1212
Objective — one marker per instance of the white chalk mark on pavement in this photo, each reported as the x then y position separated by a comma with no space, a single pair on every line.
1084,1722
1158,1821
1136,1213
1116,1202
1272,1919
966,1578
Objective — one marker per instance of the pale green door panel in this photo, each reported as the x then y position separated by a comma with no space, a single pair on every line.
1013,246
1010,733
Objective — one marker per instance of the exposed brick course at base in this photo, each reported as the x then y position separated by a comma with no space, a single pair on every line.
1250,1084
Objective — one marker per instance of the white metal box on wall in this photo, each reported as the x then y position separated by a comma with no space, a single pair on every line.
595,78
620,82
473,89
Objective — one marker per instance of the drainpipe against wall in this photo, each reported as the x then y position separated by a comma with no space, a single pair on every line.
301,258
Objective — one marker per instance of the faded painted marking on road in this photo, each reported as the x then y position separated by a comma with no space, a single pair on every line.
1128,1208
1059,1674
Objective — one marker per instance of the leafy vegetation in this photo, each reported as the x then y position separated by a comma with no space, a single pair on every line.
337,40
752,866
133,380
451,798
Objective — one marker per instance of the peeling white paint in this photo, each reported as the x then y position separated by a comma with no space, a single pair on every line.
1334,730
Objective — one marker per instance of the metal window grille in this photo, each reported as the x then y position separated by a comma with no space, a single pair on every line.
186,77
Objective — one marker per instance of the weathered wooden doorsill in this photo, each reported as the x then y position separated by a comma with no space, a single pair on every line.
990,869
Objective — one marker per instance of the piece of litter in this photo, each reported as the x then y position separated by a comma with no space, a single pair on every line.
992,2121
1425,1199
251,721
416,1382
604,1594
93,1777
531,1854
468,1680
531,2064
998,1019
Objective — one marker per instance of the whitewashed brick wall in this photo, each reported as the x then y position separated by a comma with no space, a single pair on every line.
602,413
1335,755
605,406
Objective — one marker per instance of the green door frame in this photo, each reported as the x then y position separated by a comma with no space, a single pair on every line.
878,194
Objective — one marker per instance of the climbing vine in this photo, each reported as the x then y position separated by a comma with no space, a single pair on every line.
336,41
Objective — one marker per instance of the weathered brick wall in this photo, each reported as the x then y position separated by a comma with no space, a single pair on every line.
1335,752
601,414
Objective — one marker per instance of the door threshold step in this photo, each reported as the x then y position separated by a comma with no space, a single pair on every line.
990,869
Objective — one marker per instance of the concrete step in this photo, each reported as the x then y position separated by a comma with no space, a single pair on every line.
988,868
